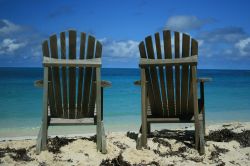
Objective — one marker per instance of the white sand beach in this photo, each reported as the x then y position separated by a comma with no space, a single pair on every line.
162,149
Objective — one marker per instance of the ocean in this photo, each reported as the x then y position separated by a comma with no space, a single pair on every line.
227,99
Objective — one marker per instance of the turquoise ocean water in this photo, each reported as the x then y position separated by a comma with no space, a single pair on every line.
227,99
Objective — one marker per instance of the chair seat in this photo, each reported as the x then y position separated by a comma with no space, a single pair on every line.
62,121
168,120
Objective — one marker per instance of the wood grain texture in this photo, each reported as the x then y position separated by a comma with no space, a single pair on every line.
98,110
143,109
98,53
154,76
56,76
51,96
80,76
177,74
150,94
88,76
184,80
169,73
72,74
194,52
64,76
161,73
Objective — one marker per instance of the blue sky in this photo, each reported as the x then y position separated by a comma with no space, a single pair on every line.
222,28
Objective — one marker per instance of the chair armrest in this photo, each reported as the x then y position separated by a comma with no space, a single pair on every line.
204,79
137,83
105,84
38,83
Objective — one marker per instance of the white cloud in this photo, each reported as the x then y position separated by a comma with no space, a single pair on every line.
243,46
186,23
7,27
120,49
8,46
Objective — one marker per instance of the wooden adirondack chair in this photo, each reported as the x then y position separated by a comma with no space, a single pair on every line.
72,89
169,85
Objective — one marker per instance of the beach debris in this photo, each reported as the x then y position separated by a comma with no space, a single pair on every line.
120,145
215,154
92,138
117,161
42,164
162,142
179,135
226,135
56,143
184,136
16,154
179,152
132,135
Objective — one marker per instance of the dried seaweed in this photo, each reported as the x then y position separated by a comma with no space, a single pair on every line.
16,154
132,135
226,135
56,143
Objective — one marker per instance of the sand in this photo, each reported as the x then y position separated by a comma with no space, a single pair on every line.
122,151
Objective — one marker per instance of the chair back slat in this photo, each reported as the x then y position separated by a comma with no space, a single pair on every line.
161,74
64,76
55,76
177,74
80,75
154,76
151,100
92,101
88,76
194,51
51,98
185,73
169,73
72,74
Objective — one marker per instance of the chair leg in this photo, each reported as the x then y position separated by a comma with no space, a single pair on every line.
138,142
39,142
201,135
43,133
42,139
103,137
142,137
148,128
143,108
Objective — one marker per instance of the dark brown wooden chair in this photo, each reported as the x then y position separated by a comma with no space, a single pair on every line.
72,87
169,84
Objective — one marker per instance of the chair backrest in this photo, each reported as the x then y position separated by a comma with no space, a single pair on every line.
72,90
169,85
